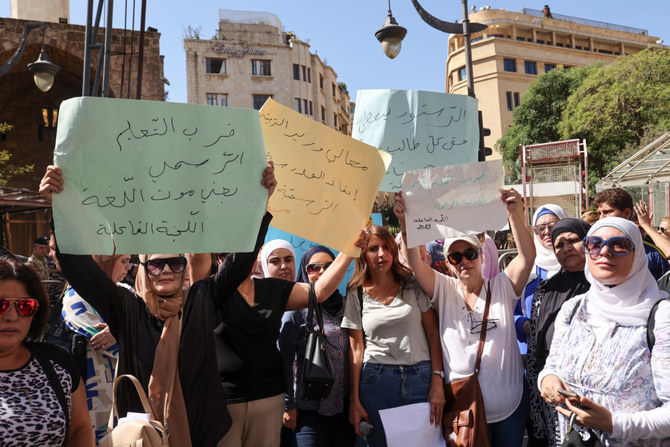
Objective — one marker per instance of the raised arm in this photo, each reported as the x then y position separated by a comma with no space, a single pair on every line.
436,392
327,283
423,273
519,269
644,219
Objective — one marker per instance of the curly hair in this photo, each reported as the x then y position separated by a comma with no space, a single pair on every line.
26,275
401,274
616,198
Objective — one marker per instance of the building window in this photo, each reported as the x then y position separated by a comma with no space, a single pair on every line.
216,65
217,99
297,105
333,90
461,74
259,100
510,65
321,81
516,100
549,67
260,68
323,114
296,72
531,67
309,75
304,73
510,106
512,100
311,108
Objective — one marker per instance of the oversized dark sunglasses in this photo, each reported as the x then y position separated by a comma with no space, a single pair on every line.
617,245
26,307
456,257
155,266
317,266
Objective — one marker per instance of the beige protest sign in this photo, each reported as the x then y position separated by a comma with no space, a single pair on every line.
326,181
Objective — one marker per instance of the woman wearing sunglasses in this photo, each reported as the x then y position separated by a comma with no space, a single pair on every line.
395,356
323,423
603,350
460,304
147,323
40,386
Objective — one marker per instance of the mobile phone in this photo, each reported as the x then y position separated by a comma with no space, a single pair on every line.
568,394
574,398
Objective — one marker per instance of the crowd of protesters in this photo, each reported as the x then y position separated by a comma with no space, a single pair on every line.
577,332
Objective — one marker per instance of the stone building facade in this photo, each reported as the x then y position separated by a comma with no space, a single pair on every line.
252,59
22,103
518,46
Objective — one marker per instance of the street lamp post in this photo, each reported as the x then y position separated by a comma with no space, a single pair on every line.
43,69
447,27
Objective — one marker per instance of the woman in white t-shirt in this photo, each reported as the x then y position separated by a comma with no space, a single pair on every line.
395,356
460,304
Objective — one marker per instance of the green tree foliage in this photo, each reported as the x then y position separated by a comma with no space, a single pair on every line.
7,171
617,105
536,119
614,108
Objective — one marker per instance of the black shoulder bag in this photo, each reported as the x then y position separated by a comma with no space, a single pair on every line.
317,376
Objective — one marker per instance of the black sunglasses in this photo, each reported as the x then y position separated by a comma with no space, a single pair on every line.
155,266
456,257
317,266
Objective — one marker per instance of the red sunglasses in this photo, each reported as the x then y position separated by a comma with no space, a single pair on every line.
26,307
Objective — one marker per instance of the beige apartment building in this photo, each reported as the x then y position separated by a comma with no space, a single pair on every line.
253,59
519,46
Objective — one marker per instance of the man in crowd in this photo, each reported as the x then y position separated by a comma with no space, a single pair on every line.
39,257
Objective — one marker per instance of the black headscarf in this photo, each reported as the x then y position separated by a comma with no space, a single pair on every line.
547,301
335,301
570,225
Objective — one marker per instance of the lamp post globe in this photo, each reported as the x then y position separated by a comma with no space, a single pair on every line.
43,71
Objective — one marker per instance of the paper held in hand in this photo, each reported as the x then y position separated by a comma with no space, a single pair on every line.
452,200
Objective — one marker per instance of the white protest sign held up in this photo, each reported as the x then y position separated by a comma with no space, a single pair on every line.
453,200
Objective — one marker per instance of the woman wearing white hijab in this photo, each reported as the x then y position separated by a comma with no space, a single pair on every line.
278,260
546,265
601,349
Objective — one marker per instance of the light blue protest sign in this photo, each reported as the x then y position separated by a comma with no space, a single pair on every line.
419,129
155,177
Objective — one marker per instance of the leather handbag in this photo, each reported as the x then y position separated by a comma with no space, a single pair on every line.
464,421
317,376
134,433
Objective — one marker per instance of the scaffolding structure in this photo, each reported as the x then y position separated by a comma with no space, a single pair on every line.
646,176
560,166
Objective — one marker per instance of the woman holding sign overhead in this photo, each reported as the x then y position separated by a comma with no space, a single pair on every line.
165,334
466,304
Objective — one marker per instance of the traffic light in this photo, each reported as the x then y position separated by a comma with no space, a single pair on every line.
483,132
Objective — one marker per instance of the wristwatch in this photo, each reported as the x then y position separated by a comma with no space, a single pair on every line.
438,373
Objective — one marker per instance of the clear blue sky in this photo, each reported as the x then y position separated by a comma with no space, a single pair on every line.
343,32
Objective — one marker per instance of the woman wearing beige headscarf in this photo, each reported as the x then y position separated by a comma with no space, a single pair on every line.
183,384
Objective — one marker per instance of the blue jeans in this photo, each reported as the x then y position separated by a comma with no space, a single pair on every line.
509,432
316,430
388,386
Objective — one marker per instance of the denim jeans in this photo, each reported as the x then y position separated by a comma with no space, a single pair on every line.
388,386
316,430
509,432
